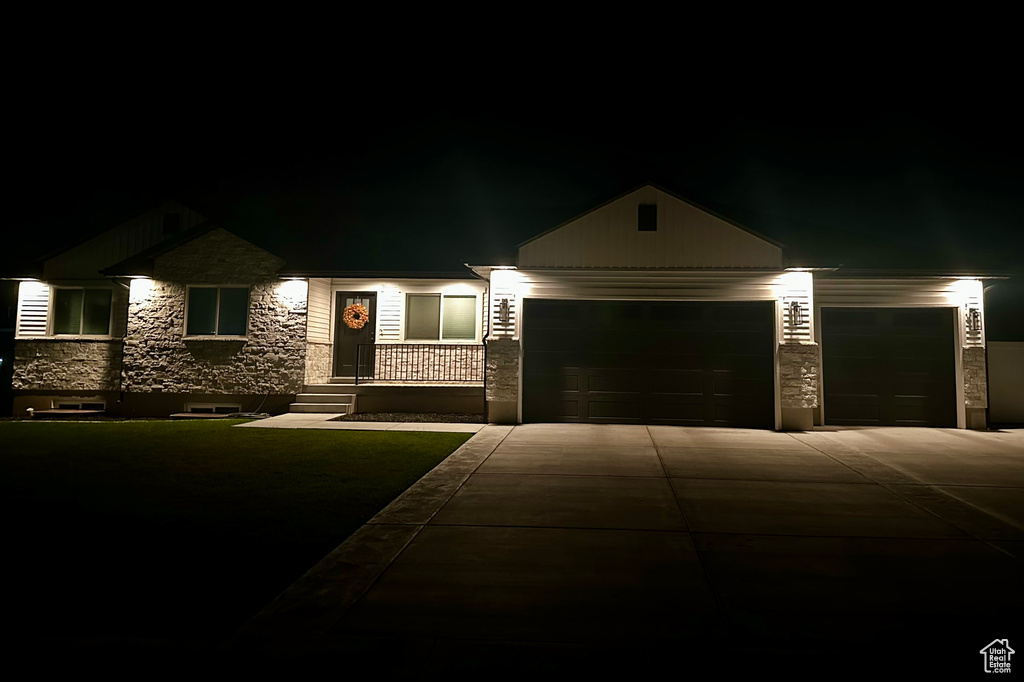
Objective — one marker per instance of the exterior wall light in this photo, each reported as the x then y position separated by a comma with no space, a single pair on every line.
140,289
796,314
292,293
974,320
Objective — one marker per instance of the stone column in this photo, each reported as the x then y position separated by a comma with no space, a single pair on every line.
975,387
799,369
501,382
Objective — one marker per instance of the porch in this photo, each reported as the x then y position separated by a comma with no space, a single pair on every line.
443,378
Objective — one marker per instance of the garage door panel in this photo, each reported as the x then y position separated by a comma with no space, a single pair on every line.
725,414
617,410
609,381
669,315
842,387
556,340
652,362
682,382
674,343
606,360
855,411
672,362
745,365
558,405
679,414
889,366
726,384
558,315
553,363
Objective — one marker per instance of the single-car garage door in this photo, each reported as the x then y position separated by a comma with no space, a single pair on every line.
889,366
649,362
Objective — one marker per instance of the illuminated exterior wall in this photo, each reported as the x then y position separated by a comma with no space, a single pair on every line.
271,359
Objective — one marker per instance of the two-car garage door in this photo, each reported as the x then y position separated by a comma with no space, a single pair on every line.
649,362
712,364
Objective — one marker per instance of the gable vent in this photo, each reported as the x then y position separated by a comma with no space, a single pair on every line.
647,217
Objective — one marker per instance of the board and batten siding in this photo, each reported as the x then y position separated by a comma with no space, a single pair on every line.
318,311
119,243
686,237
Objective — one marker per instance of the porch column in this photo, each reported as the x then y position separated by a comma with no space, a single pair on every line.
799,357
501,381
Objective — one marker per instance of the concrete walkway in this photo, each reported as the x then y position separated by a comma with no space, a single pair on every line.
635,549
299,420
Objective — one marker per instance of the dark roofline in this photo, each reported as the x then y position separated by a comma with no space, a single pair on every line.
41,260
855,273
376,274
141,264
675,195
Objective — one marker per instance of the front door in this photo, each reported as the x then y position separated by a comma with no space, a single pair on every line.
348,335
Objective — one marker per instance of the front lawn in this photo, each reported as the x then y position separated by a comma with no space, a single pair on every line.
182,530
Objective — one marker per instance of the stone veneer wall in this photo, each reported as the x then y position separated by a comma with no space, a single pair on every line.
319,362
429,363
798,374
159,358
975,378
502,382
63,365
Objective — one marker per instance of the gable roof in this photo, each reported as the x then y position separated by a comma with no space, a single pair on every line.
85,258
142,264
688,235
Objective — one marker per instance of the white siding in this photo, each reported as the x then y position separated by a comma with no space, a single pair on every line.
796,307
950,292
649,286
319,311
687,237
33,309
391,300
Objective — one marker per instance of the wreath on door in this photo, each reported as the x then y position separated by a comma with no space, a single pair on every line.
355,316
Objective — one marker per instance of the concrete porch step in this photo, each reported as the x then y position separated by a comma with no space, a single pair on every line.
319,397
321,408
315,399
331,389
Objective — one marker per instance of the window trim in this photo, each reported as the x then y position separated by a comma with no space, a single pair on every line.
216,316
476,296
51,316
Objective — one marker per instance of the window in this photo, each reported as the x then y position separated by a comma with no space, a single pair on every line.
429,317
81,311
217,311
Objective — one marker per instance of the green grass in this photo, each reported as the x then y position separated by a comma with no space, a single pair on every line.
183,529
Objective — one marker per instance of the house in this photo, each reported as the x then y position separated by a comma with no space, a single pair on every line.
647,309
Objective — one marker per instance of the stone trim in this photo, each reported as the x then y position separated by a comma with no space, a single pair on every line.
57,364
501,382
975,377
799,372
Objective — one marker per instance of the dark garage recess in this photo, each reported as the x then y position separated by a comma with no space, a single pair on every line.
889,366
649,362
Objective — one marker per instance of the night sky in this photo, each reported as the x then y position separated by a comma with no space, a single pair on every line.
345,176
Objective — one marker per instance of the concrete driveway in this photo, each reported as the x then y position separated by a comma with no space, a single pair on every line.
632,548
